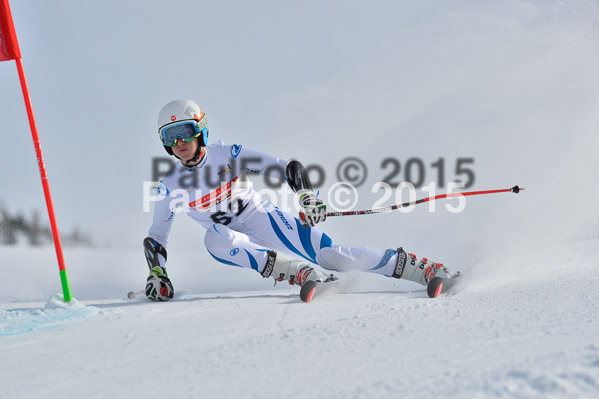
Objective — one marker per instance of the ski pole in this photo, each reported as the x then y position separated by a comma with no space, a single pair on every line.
514,190
132,294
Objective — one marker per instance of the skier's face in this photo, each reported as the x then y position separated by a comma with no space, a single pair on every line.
185,151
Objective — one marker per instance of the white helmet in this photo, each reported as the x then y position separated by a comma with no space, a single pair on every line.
182,119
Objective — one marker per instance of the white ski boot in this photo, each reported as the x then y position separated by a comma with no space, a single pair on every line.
410,268
295,271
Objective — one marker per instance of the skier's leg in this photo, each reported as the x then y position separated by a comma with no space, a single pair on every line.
238,249
234,248
281,231
390,262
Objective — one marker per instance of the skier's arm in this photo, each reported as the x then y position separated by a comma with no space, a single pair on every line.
163,217
314,210
158,285
254,161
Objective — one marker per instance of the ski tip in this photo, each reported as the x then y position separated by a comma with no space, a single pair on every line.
435,287
443,286
311,295
308,290
438,291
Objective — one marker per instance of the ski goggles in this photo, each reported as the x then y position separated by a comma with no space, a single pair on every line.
185,130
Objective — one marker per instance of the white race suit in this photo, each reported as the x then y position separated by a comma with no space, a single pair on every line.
242,227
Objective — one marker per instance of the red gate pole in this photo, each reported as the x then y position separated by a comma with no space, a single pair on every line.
9,49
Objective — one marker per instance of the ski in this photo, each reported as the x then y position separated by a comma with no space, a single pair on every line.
442,286
312,288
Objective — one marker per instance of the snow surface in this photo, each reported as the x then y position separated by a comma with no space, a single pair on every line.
532,335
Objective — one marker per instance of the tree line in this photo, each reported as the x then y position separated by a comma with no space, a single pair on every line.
17,228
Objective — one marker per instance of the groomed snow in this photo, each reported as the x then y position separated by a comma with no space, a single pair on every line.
531,336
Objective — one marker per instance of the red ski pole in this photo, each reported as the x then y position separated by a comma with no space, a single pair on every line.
514,190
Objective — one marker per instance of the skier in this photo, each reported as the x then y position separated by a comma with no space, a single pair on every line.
244,230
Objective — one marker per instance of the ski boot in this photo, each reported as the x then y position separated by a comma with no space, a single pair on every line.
421,271
295,271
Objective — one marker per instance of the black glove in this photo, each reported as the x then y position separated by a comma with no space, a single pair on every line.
313,209
158,285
